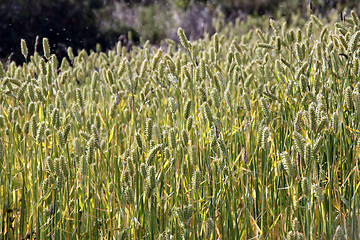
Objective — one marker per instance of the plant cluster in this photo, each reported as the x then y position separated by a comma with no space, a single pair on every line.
249,133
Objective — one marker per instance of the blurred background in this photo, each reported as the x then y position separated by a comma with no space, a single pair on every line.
99,24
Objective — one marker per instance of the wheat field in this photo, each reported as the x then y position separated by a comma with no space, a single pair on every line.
251,133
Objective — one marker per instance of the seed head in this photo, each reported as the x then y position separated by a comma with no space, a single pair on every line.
172,138
222,146
33,126
46,48
187,109
196,179
210,227
41,131
287,164
152,154
183,39
305,186
354,42
318,192
207,112
148,129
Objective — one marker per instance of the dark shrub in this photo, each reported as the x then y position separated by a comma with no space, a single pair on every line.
64,22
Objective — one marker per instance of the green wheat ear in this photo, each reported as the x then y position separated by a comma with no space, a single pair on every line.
41,132
299,143
172,138
264,107
207,112
139,141
64,167
57,165
46,48
265,45
143,170
309,29
77,147
91,151
278,44
31,91
317,21
305,186
193,155
70,54
185,137
26,127
216,43
354,42
318,192
129,196
307,154
126,176
80,98
61,139
287,164
228,98
183,39
196,179
135,158
222,146
148,129
55,118
187,109
24,49
152,154
189,123
33,125
150,184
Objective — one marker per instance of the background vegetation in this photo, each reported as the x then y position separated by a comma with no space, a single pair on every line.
83,24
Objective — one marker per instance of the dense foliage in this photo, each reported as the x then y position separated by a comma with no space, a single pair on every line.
252,132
